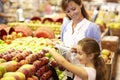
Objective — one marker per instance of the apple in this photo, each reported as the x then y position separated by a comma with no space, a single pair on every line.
1,74
13,74
7,57
24,71
44,60
8,41
8,78
4,37
105,52
105,57
2,60
46,75
22,62
48,55
19,35
54,63
2,70
10,66
61,76
60,67
14,33
9,37
29,78
35,77
27,69
37,64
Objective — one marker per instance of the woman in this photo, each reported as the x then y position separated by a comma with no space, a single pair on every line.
79,26
88,54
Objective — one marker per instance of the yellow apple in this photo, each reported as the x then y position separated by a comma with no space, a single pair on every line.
105,57
105,52
19,35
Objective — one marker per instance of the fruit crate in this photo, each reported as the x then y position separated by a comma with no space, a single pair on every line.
106,32
110,42
110,66
115,32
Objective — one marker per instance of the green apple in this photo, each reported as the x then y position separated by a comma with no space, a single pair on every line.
8,74
20,75
48,55
8,78
2,70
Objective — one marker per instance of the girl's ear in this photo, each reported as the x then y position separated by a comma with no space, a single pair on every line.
91,56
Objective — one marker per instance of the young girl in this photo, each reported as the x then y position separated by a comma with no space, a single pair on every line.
88,54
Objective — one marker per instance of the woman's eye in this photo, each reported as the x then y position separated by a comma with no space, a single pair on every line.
73,9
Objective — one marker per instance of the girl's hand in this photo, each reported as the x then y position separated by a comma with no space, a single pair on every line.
73,50
48,49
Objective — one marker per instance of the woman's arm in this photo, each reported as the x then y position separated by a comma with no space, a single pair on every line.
64,25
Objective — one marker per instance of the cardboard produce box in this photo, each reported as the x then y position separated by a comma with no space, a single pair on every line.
109,58
110,66
110,42
115,32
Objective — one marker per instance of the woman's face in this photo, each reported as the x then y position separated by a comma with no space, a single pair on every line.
82,57
73,10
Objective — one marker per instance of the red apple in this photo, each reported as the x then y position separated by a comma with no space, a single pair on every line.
54,63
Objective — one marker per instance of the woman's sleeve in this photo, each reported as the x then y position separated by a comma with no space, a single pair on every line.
94,32
63,27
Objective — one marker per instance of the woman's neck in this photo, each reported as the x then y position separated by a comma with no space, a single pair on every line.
75,22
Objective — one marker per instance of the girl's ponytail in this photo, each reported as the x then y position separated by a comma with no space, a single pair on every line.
101,69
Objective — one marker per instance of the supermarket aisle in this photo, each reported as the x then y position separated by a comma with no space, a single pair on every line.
118,68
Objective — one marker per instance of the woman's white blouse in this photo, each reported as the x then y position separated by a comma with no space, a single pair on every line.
70,39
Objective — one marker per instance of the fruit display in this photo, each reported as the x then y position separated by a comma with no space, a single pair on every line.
114,28
45,32
26,31
109,58
37,65
34,25
107,55
6,31
10,37
25,57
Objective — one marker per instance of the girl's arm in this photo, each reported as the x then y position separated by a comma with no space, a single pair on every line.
77,70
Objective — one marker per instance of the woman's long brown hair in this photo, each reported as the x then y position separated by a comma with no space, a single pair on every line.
90,46
65,3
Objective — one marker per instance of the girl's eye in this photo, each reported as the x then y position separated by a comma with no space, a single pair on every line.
79,53
67,11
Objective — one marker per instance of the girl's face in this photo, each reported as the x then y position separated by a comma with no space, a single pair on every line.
73,10
82,57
